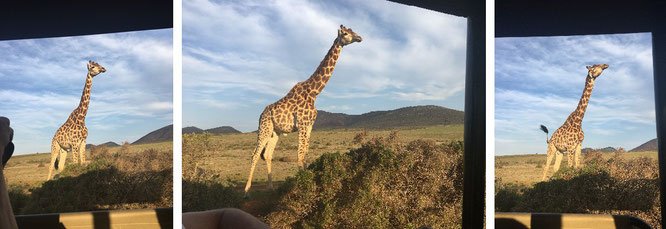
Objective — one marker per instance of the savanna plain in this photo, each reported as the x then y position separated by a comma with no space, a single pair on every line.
379,178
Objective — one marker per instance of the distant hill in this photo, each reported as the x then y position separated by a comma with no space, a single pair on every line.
192,130
107,144
603,150
648,146
416,116
222,130
216,130
161,135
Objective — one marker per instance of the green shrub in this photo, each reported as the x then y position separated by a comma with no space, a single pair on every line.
19,198
194,147
200,195
507,196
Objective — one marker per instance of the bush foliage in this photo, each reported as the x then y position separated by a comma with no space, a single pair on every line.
613,186
380,185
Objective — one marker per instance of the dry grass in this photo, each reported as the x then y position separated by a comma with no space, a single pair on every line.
528,169
123,177
228,155
32,169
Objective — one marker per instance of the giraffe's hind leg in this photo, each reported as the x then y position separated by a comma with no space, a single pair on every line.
550,153
265,132
55,151
558,160
268,156
63,158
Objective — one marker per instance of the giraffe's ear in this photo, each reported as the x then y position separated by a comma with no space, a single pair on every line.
589,68
339,32
89,65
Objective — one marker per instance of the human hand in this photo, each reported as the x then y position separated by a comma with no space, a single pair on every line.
6,137
7,219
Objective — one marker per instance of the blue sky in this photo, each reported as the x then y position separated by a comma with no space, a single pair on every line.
539,80
240,56
42,80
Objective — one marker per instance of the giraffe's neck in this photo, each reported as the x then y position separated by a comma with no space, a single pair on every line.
320,77
577,115
82,109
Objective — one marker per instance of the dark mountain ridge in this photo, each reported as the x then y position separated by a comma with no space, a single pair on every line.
648,146
416,116
163,134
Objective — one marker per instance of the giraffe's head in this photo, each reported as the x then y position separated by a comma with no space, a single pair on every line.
95,68
347,36
595,70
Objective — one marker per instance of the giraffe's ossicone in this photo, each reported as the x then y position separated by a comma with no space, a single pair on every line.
296,111
569,137
71,136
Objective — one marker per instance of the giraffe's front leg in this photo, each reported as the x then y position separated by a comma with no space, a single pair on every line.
75,152
577,154
82,152
570,157
303,143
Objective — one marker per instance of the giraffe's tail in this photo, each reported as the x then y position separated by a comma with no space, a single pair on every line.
544,129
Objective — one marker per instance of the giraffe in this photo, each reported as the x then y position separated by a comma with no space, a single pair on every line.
569,137
296,111
71,136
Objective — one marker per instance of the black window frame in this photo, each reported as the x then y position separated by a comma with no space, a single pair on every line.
526,18
474,172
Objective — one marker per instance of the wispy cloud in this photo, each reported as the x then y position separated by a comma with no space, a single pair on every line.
540,81
43,79
259,50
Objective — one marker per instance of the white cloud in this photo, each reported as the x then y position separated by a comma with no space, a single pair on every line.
268,47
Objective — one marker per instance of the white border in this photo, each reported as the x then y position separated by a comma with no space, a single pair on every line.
490,114
177,113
